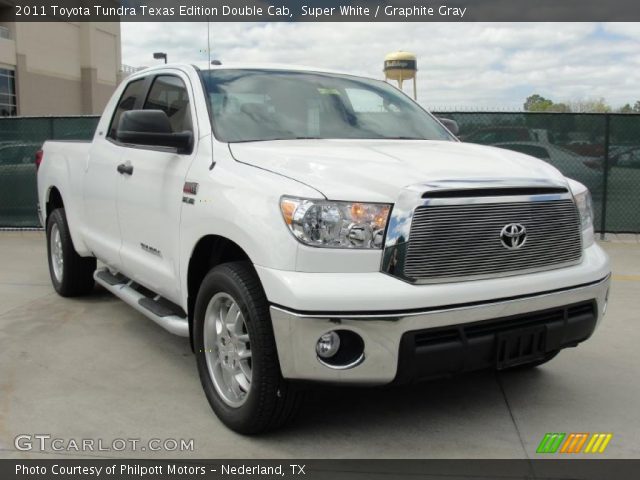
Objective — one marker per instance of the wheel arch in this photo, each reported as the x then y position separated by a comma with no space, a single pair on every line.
53,201
208,252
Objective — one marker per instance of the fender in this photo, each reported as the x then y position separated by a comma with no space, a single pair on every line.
67,179
246,213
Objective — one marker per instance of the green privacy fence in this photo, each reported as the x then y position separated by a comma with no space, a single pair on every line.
20,138
600,150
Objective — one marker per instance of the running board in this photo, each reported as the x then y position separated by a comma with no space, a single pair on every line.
152,308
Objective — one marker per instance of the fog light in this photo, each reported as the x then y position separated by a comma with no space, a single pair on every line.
328,345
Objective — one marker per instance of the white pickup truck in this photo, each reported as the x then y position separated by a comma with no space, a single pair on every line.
303,225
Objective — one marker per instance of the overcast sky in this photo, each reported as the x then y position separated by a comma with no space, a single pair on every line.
461,65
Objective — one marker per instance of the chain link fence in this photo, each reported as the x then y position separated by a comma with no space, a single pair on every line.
600,150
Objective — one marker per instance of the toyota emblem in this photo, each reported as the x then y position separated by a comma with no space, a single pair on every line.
513,236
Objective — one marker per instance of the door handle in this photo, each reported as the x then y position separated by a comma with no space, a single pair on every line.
125,169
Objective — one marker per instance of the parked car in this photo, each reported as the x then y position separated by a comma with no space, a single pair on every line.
628,157
569,163
585,148
304,225
492,135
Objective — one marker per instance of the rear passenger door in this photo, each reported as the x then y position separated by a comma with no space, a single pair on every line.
150,198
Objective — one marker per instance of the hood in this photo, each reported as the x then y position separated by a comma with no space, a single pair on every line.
376,170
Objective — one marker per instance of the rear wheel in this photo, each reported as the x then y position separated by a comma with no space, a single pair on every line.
71,274
236,352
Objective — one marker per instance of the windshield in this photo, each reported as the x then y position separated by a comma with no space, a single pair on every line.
259,105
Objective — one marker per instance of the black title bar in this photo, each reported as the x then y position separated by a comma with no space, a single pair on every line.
320,10
124,469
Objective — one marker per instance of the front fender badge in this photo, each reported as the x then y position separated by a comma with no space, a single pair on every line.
190,188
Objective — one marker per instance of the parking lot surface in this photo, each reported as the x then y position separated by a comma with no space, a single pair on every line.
93,368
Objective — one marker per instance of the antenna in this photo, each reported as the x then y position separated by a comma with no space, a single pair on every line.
213,160
208,44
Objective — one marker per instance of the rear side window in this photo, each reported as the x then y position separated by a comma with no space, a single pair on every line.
169,94
127,101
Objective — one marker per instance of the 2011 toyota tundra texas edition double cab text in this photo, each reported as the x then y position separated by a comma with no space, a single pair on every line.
302,225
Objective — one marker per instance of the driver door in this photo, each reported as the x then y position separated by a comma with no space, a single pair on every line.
150,197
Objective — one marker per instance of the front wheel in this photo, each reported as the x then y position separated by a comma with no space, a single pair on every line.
236,352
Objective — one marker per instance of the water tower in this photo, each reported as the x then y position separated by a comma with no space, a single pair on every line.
401,66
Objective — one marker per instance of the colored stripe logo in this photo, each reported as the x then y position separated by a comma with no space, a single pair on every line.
574,443
550,442
598,443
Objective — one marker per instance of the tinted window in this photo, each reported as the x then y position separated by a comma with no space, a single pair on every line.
260,105
169,94
127,101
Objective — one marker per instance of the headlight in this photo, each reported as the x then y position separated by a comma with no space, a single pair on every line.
322,223
585,207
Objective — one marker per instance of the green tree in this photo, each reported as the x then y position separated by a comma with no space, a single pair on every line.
537,103
559,107
626,109
636,107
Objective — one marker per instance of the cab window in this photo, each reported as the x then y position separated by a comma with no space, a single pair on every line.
169,94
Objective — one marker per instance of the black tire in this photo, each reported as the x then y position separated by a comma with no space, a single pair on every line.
271,402
76,276
547,358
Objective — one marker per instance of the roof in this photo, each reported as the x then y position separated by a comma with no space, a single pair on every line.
253,66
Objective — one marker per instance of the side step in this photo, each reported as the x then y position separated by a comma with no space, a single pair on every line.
157,309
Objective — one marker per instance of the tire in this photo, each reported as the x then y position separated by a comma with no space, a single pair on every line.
71,274
263,400
527,366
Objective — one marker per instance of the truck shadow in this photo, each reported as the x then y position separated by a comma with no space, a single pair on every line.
471,400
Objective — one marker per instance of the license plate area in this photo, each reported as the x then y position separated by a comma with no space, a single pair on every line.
524,345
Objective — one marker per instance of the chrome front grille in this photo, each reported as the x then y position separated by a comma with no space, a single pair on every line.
463,241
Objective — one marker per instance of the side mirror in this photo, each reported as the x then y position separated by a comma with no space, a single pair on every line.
152,128
451,125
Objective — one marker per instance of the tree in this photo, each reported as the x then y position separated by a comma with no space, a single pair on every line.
626,109
559,107
537,103
594,105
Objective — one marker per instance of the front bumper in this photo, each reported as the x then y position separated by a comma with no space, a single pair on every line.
373,291
388,336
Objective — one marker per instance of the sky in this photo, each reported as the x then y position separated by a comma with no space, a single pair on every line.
480,66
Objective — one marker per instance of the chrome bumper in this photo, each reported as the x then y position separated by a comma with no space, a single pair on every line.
297,333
